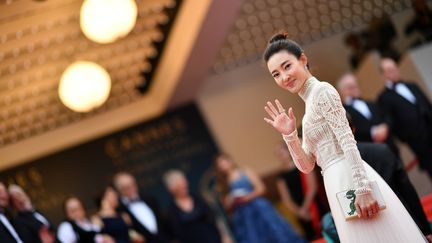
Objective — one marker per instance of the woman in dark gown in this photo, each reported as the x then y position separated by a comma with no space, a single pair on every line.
108,219
191,219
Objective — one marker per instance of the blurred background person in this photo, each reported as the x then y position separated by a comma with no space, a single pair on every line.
143,210
410,113
421,23
253,218
77,228
190,218
111,222
358,44
32,225
8,233
298,192
381,33
370,122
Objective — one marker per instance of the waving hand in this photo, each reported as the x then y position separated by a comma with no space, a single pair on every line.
282,122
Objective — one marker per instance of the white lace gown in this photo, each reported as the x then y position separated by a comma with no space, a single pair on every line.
328,140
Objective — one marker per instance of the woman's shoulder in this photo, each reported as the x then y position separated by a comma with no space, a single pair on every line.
323,92
324,86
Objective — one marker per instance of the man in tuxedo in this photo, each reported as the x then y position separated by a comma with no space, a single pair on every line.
367,117
391,169
8,233
31,225
143,210
410,113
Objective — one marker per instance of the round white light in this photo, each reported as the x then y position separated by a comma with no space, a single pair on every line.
84,86
104,21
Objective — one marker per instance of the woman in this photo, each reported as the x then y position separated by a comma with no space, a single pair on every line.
327,138
191,219
78,228
254,220
109,220
299,200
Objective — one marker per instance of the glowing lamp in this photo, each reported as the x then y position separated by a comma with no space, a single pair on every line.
84,86
105,21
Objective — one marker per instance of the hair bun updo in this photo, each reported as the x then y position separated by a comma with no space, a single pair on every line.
278,37
281,42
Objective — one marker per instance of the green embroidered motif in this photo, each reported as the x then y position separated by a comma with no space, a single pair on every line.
351,195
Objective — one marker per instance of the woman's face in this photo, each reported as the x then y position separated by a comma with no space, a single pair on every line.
111,197
75,210
180,187
288,71
224,164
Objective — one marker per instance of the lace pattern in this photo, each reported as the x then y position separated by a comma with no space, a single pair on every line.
326,134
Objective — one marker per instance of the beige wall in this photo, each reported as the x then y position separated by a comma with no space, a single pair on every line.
233,106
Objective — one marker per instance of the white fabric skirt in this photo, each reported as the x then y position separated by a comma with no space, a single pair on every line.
393,224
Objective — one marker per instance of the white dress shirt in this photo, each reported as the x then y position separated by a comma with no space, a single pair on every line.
41,218
66,233
10,228
360,106
402,90
143,214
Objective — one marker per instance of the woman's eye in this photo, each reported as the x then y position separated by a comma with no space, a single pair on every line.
287,66
275,75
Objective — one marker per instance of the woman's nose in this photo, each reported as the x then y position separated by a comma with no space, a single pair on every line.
285,76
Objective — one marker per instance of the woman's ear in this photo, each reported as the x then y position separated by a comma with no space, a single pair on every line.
303,60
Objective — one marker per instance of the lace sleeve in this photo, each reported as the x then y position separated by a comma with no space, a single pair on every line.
329,105
301,156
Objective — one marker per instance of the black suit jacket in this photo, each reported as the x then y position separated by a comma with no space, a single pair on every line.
391,169
363,125
161,236
28,227
5,235
408,121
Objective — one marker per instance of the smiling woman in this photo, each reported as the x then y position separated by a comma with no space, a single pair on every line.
328,140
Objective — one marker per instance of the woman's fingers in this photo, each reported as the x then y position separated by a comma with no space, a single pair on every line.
279,106
291,113
268,121
271,106
270,112
358,209
376,208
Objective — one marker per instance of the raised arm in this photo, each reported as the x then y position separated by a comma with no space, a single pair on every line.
286,125
329,106
301,156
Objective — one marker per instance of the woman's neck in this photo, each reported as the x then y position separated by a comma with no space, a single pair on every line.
107,211
304,89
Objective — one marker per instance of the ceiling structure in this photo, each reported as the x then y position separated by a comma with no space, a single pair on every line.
37,46
305,21
38,39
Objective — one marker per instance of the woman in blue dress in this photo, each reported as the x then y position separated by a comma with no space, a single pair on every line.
253,218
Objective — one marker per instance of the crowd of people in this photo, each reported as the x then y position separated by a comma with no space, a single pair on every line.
351,139
126,214
380,34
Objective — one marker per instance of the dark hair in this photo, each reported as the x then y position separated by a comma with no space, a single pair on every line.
281,42
222,185
67,199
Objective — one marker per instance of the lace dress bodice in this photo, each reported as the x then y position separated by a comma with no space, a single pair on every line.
326,134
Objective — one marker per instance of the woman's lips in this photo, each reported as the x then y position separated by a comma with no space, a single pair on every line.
290,83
